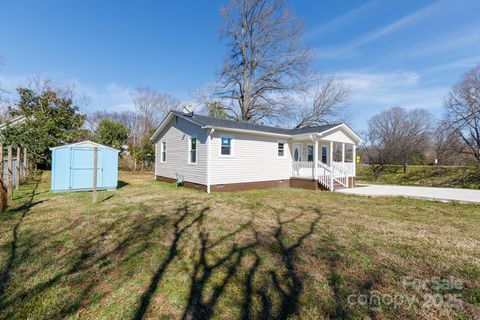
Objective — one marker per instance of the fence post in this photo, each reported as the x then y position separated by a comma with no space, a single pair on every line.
95,159
17,170
10,172
3,191
1,159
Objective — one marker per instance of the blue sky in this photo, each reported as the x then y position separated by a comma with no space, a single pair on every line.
390,53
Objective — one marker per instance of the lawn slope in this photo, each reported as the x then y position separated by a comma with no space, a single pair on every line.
428,176
149,250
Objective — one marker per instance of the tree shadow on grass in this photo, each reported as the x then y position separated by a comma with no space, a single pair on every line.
89,267
6,273
334,256
201,303
178,233
287,285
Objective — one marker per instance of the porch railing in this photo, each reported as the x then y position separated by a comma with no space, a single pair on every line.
302,169
348,167
326,175
340,174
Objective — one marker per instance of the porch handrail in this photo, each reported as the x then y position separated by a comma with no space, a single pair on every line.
325,179
340,174
347,166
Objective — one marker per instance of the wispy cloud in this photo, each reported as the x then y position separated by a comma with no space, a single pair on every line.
408,20
461,41
342,21
372,92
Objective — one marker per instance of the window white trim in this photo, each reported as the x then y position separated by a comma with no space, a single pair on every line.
232,146
284,148
189,159
162,150
326,153
313,151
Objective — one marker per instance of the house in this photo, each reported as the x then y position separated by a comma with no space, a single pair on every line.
226,155
12,122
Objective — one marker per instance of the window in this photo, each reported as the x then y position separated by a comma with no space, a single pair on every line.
192,148
324,154
281,149
164,151
226,148
310,153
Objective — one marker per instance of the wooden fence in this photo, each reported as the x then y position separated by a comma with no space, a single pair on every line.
14,169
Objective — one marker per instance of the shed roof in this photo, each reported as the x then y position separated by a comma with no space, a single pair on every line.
86,142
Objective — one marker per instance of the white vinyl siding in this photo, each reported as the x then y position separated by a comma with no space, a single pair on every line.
177,136
338,136
255,158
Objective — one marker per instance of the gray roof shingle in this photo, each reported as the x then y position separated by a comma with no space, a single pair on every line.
232,124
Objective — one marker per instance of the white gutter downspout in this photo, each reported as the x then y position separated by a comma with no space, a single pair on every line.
155,161
208,158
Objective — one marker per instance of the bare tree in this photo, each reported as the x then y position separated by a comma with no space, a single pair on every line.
4,103
448,146
397,135
127,118
151,107
330,98
265,62
463,110
2,91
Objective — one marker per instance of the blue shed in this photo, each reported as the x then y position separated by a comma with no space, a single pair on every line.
72,167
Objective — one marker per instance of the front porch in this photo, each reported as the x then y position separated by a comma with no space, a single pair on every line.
329,164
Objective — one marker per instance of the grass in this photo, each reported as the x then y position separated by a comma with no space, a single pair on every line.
430,176
149,250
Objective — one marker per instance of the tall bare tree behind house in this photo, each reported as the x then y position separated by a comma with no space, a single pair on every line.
265,61
329,103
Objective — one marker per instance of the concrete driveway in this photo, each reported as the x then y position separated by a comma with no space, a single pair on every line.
440,194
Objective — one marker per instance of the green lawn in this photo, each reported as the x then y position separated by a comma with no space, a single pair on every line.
430,176
149,250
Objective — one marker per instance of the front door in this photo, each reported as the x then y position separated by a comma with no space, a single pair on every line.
297,152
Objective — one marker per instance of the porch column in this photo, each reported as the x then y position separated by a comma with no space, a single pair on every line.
354,155
315,160
343,152
331,153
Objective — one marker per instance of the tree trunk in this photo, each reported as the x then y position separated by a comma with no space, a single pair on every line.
405,167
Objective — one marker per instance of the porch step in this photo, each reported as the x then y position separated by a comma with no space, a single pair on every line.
336,186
